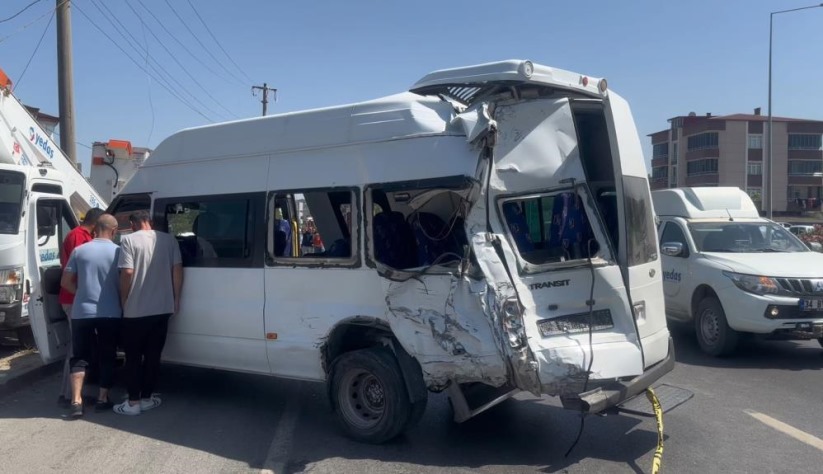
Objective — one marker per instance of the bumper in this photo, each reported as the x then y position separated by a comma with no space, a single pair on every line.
602,398
11,316
746,312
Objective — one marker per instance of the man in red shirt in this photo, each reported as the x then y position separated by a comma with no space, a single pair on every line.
77,237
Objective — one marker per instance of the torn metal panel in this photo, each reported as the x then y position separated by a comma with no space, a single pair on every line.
477,123
438,318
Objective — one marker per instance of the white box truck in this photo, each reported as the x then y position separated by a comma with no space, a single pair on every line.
729,271
42,196
486,232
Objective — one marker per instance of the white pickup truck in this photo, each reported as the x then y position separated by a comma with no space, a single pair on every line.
730,271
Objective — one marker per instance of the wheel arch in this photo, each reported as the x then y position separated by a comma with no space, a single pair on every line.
701,292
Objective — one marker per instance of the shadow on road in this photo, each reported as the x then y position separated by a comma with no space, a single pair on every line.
751,353
236,416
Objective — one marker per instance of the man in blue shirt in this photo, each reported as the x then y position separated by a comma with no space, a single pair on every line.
91,274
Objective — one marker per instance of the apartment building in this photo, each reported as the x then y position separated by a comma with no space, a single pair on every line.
729,150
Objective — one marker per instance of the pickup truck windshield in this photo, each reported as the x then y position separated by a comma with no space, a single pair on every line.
11,198
744,237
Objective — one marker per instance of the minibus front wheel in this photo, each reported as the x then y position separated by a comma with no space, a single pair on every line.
369,396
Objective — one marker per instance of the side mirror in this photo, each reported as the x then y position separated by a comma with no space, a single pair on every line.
672,249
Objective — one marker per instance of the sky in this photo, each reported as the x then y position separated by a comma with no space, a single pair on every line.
667,58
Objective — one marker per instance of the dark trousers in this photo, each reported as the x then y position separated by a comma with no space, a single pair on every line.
143,341
95,340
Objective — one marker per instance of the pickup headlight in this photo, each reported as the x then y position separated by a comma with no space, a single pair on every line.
11,285
759,285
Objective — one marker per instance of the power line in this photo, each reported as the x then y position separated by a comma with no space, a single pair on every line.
174,58
44,15
168,89
21,11
151,102
197,38
134,43
182,45
217,42
36,48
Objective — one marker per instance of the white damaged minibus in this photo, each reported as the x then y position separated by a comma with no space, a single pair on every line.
487,232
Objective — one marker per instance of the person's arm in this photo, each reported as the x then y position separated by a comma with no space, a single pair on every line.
177,283
69,282
126,276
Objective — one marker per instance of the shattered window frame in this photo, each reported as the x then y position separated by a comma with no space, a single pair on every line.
604,255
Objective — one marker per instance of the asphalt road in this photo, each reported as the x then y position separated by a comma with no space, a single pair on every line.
213,421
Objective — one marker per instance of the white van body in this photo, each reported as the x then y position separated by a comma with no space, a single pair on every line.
466,246
730,271
42,195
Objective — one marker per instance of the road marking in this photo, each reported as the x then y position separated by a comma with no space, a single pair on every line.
277,456
795,433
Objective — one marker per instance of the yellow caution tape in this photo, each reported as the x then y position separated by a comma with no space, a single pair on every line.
658,415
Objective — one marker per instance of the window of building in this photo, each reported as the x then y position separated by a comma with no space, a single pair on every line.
698,167
801,141
327,235
660,172
213,231
754,168
660,150
672,233
674,153
805,167
755,141
673,175
755,192
550,228
703,140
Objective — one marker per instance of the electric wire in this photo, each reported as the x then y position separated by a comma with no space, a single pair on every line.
181,44
33,54
134,43
20,12
174,58
197,38
148,78
218,42
27,25
139,66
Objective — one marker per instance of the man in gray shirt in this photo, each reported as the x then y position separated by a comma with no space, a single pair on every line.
151,278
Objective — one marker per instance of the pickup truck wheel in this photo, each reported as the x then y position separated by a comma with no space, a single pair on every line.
714,335
369,396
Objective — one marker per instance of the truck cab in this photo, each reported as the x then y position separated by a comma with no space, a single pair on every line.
728,271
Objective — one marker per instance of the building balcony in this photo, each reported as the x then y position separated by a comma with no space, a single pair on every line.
755,180
703,153
708,179
755,154
805,154
660,161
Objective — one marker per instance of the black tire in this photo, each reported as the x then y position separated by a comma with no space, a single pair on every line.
714,335
369,396
26,338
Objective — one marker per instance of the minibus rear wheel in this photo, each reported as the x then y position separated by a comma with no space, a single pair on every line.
714,335
369,396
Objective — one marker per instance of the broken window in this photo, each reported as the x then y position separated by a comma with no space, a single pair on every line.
322,226
419,224
550,228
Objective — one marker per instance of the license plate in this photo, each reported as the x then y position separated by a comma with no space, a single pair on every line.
811,305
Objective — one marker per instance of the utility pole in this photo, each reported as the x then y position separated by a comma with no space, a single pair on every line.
65,83
266,89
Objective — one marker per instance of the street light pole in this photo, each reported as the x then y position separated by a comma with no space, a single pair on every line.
770,161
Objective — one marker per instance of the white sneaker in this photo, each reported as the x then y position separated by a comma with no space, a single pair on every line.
147,404
126,409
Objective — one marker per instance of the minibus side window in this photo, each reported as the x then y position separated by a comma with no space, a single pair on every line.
550,229
312,226
213,231
641,234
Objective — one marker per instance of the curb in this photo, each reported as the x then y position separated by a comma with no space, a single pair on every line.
19,379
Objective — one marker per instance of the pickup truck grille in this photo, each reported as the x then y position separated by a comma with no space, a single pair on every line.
801,286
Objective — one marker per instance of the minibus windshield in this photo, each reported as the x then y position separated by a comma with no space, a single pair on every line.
744,237
12,184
